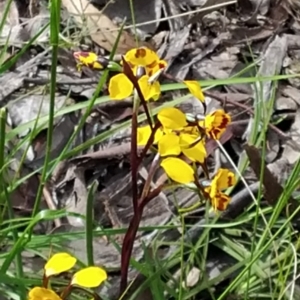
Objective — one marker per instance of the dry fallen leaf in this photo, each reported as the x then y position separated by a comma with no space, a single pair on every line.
291,149
145,12
206,7
102,30
11,32
13,14
273,189
272,62
192,278
262,6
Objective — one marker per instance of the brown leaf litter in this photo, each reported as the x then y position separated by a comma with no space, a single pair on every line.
208,44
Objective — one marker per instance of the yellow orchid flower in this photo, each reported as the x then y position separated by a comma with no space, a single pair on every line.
58,263
222,180
195,89
120,87
144,132
40,293
215,123
90,59
178,170
89,277
193,147
168,144
172,118
145,57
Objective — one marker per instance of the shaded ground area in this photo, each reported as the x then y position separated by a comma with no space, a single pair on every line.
246,55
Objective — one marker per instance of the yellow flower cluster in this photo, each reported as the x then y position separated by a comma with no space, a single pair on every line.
177,137
181,143
121,87
89,277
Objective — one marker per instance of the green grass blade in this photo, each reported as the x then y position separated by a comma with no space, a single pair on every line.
54,39
90,223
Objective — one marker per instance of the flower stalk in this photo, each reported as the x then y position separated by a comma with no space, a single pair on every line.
178,140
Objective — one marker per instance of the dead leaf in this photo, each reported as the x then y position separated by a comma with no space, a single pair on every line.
13,14
192,278
12,81
246,35
241,87
272,62
23,197
278,12
146,12
273,146
102,30
262,6
293,41
218,66
31,107
61,134
10,33
291,93
34,25
207,6
172,8
290,151
236,97
293,68
105,254
273,188
292,7
286,104
78,205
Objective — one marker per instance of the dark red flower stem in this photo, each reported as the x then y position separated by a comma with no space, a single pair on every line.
45,281
66,292
130,237
149,142
128,72
133,156
138,204
134,161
